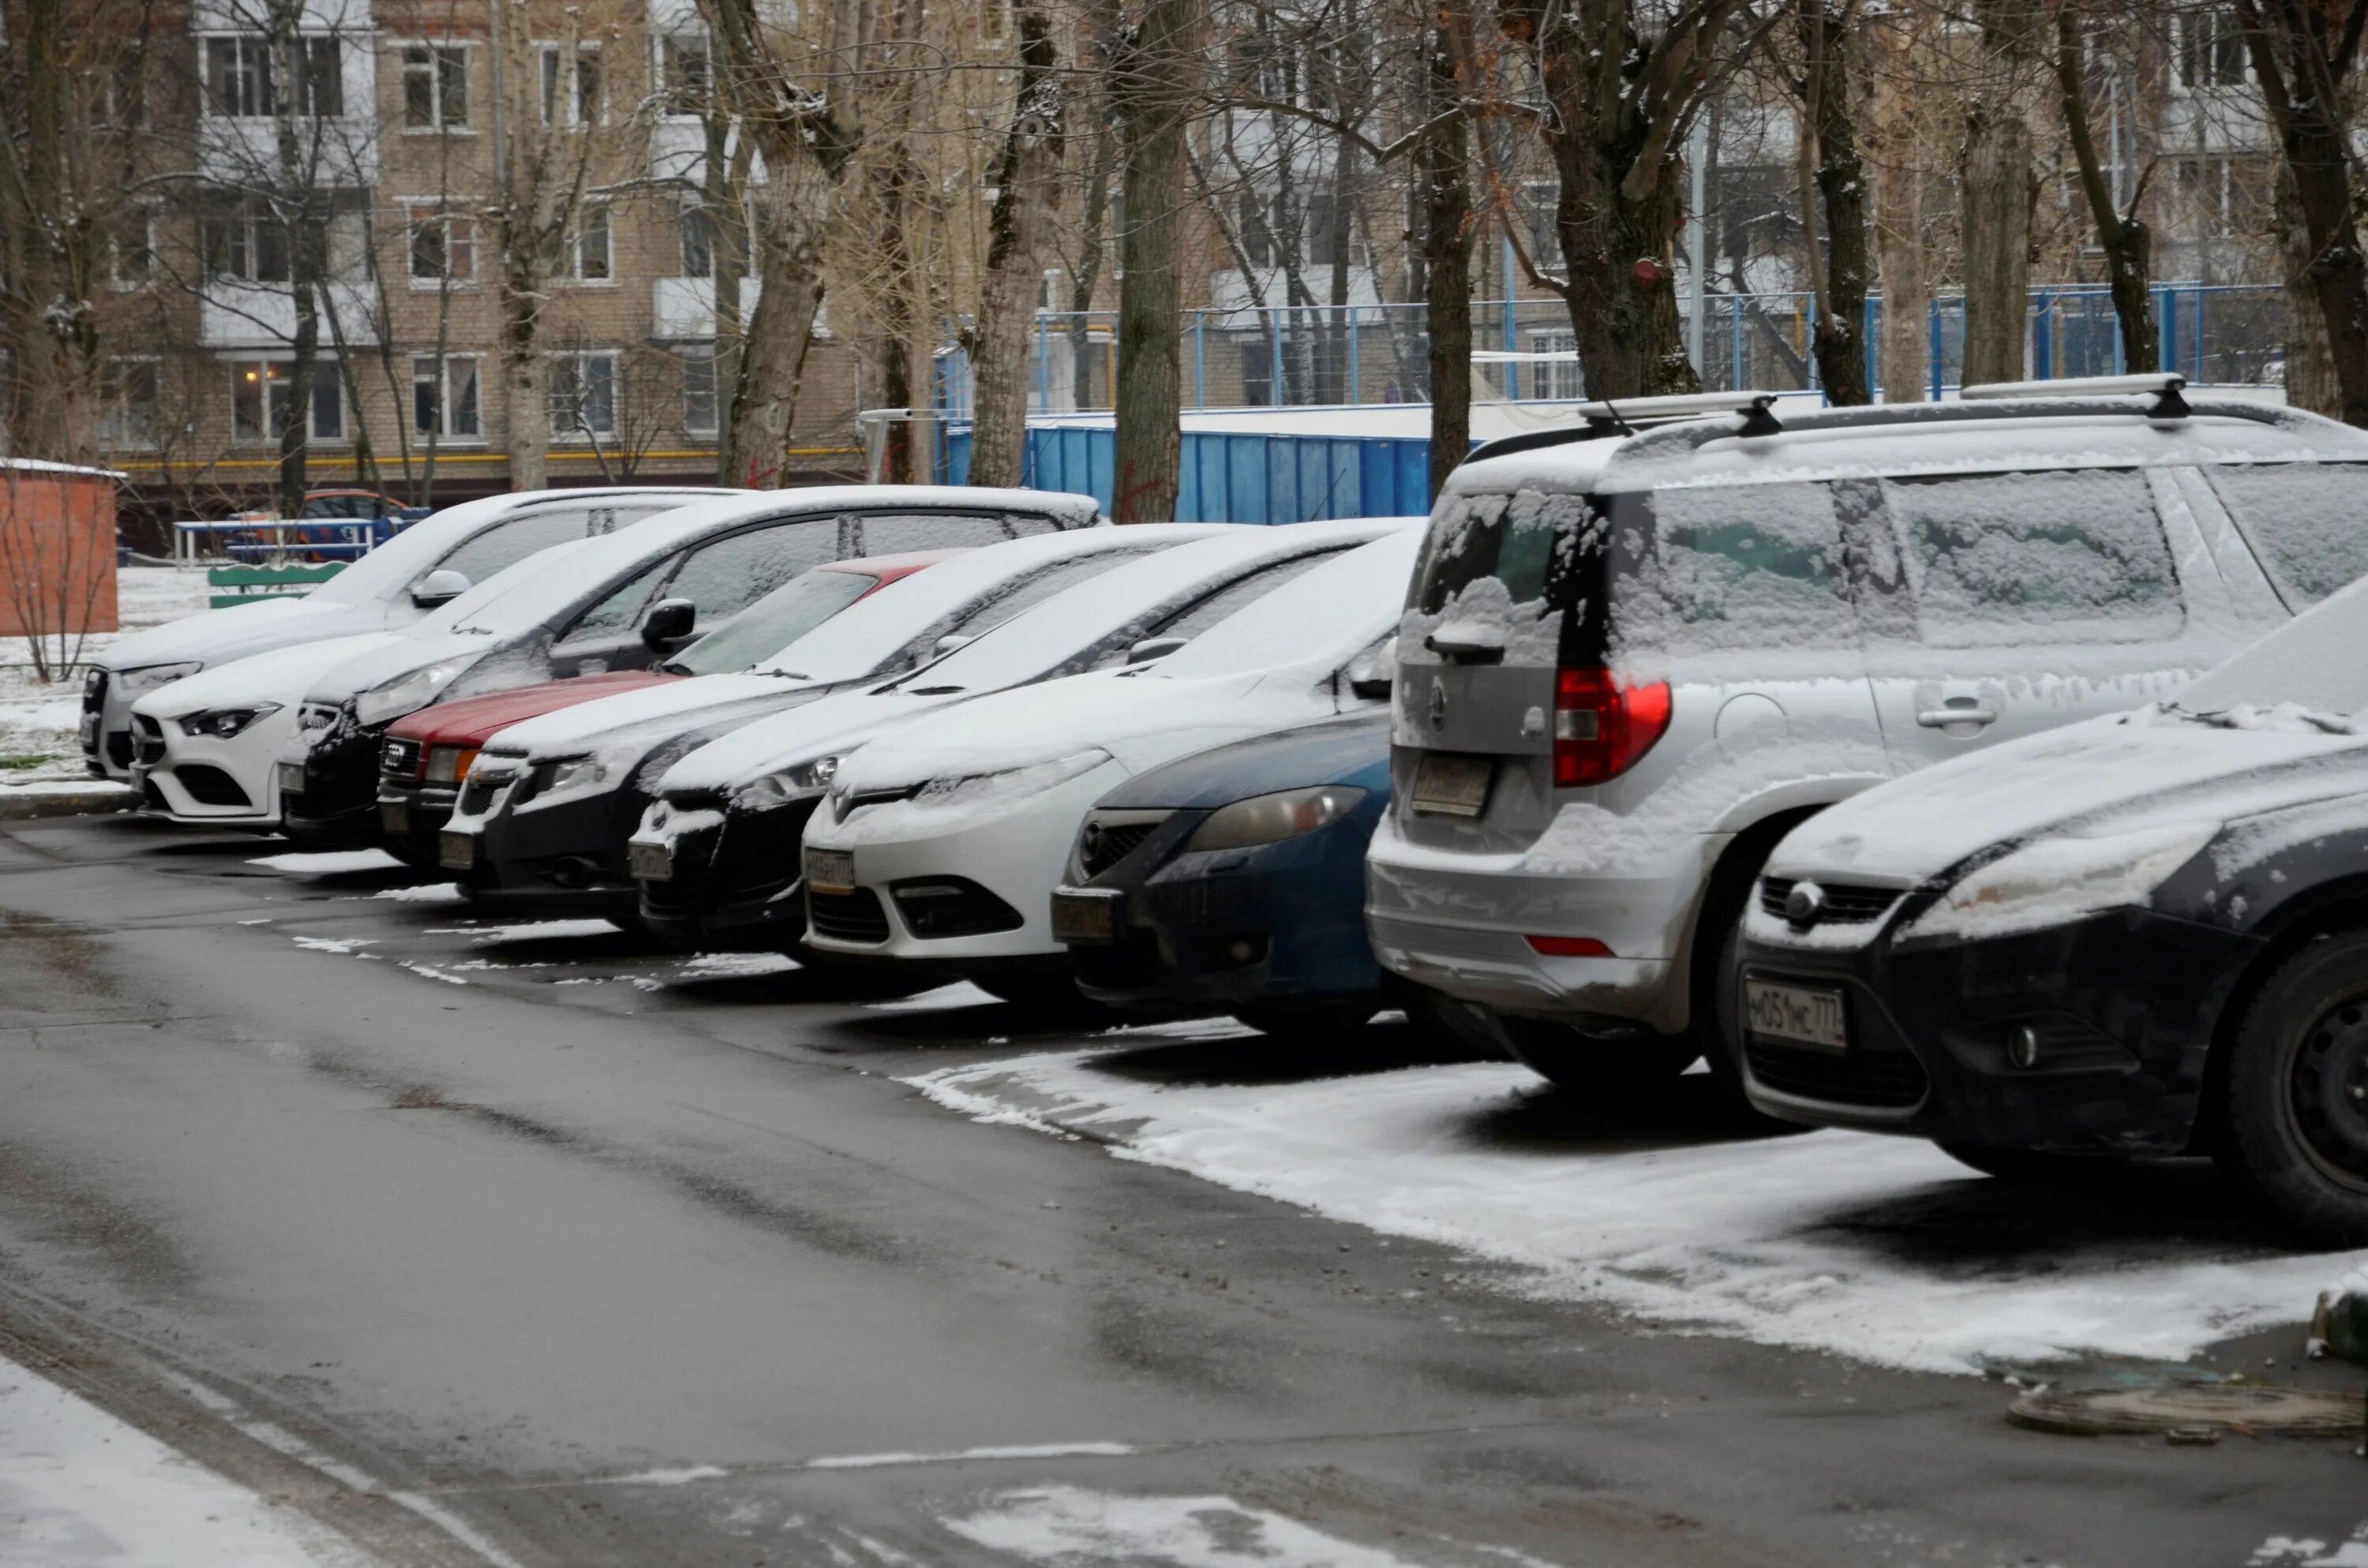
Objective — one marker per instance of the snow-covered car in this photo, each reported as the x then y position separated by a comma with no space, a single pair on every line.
206,748
552,800
942,843
2141,935
428,756
717,854
623,602
1630,665
429,564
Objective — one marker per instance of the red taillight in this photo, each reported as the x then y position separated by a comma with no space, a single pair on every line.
1602,727
1568,947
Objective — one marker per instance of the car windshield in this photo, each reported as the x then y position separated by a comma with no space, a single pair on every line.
1306,615
2313,661
768,627
392,566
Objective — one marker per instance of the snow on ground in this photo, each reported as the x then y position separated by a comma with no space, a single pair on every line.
425,893
79,1489
329,862
960,993
37,734
1783,1240
1069,1526
716,966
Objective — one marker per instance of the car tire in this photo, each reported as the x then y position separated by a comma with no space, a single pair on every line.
1316,1025
2033,1166
2296,1091
1598,1065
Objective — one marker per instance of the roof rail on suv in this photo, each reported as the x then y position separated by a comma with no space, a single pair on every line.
1605,417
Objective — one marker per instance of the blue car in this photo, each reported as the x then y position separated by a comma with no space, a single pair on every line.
1234,882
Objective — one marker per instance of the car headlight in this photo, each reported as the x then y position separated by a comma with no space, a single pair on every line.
2051,881
449,764
156,676
1270,819
222,723
794,783
567,775
409,693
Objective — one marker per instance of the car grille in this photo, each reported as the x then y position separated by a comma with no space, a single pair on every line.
1104,844
398,762
1882,1080
150,737
478,793
1844,905
210,786
847,917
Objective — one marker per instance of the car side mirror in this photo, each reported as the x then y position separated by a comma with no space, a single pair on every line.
1372,676
1151,648
439,587
667,622
949,643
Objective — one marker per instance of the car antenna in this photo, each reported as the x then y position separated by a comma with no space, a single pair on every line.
1619,422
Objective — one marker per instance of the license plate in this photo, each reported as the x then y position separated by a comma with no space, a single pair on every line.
1085,916
292,777
650,862
830,870
394,816
90,732
1451,786
1803,1014
456,851
140,779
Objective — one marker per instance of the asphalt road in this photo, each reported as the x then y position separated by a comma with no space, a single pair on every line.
652,1269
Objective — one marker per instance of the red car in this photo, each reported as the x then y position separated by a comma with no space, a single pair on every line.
426,756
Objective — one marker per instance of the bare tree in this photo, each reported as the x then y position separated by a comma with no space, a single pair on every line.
2000,189
2124,236
1027,200
1833,184
1896,138
1443,181
1154,88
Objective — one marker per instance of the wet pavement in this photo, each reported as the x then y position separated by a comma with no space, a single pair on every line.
481,1243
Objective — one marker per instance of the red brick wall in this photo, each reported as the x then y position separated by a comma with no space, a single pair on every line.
57,549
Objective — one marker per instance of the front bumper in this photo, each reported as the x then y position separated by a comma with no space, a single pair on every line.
2123,1004
733,883
201,780
108,750
336,806
1271,925
567,853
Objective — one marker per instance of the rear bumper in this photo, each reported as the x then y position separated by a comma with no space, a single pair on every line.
2123,1004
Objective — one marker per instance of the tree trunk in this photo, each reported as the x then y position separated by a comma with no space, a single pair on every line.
753,448
1904,332
1154,88
1996,175
55,349
2126,242
1442,173
1839,341
1028,196
2310,368
298,186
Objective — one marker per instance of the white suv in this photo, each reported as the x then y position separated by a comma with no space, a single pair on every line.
1630,660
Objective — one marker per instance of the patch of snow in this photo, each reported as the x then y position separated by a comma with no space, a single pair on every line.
1068,1527
960,993
421,969
680,1477
527,930
34,785
426,893
340,945
1000,1451
79,1489
330,861
710,966
1762,1239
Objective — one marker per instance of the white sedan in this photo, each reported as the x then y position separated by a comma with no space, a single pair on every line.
942,844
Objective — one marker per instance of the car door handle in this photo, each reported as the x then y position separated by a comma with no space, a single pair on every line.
1941,718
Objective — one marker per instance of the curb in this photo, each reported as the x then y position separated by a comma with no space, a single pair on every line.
27,805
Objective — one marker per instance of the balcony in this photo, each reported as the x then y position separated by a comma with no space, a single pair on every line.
262,315
684,308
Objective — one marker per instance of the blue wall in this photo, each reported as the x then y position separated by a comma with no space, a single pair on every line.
1236,478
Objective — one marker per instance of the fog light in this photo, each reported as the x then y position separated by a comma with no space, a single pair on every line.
1241,952
2022,1046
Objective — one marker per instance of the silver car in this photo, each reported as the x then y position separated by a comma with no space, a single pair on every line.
1633,659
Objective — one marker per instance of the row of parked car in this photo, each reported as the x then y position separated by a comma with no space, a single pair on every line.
1860,753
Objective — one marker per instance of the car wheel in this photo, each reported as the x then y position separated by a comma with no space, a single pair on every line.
1316,1025
2297,1091
1595,1064
2034,1166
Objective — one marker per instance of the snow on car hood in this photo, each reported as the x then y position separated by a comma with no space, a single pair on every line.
282,676
216,637
676,704
2117,773
833,723
398,657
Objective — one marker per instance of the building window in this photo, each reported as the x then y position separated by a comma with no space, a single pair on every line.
244,247
699,391
2226,197
591,251
2211,51
994,21
686,74
435,86
131,254
1325,242
242,77
443,245
259,401
128,406
583,396
697,242
572,99
444,395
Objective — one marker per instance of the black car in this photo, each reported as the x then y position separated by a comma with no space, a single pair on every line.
2145,935
1233,881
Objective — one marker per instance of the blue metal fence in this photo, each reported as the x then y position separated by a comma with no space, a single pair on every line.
1232,478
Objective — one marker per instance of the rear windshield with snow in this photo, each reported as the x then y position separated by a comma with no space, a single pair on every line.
2060,555
1501,568
1730,566
2306,521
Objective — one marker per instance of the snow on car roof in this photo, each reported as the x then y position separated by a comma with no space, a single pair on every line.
425,543
1328,613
